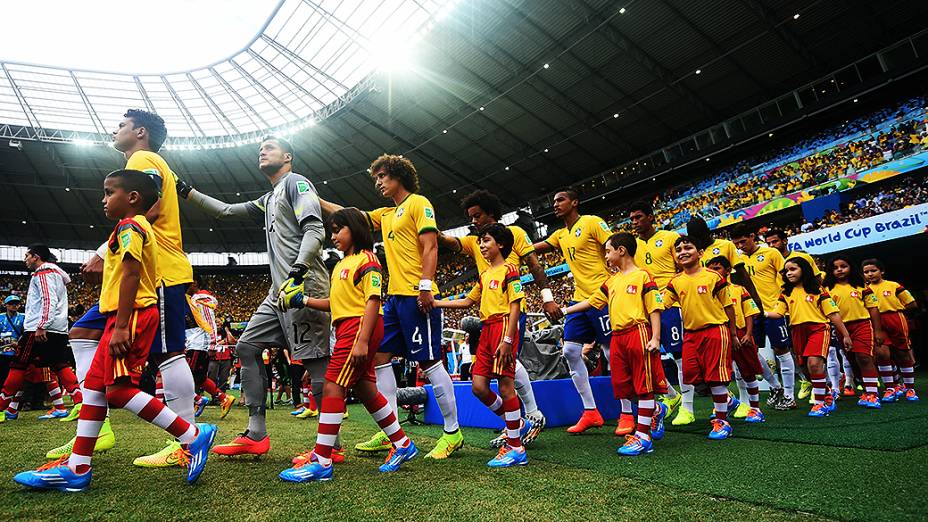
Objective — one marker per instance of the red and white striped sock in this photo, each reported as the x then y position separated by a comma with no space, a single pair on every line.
495,403
908,376
886,373
818,388
69,382
512,414
13,408
151,410
307,393
54,393
92,415
645,413
720,399
330,421
753,392
870,381
13,384
386,419
159,388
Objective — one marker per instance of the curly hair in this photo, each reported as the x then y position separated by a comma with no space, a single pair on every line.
153,123
486,200
399,168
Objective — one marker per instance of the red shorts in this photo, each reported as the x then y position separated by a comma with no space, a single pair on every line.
896,329
861,336
106,369
485,362
346,332
707,355
746,357
635,371
810,340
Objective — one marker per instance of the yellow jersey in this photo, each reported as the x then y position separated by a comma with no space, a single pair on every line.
656,256
135,238
583,246
724,248
703,298
631,298
521,247
743,305
798,253
892,296
764,267
355,280
806,308
173,264
498,287
854,303
401,227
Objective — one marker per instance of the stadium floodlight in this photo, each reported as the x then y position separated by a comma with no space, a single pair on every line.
81,142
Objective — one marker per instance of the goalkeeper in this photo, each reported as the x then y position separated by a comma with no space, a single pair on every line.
294,231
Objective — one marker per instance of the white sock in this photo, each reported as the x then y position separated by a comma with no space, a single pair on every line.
848,369
179,391
573,352
788,371
83,350
688,391
671,392
772,380
834,368
626,406
523,385
386,384
444,395
742,387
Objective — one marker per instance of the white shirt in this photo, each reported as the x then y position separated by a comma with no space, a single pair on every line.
47,300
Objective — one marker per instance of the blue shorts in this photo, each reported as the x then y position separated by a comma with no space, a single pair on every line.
777,330
672,332
586,327
92,319
409,333
171,336
523,318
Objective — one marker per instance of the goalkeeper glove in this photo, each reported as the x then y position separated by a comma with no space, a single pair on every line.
183,188
290,296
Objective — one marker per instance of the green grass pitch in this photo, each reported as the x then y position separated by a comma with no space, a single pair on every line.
855,465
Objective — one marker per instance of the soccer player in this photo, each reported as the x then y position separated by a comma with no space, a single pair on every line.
748,366
45,325
129,300
655,254
499,293
635,307
294,232
763,264
139,137
202,338
354,302
779,241
708,326
894,300
484,208
860,311
412,325
810,308
581,242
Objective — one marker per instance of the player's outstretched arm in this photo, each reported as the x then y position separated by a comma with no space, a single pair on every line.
451,243
329,208
542,247
216,208
740,277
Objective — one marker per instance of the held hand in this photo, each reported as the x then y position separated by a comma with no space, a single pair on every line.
40,335
746,340
552,311
504,354
426,301
848,343
735,342
92,269
183,188
879,337
358,354
653,346
119,341
290,296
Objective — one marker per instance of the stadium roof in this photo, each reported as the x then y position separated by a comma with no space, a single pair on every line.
517,96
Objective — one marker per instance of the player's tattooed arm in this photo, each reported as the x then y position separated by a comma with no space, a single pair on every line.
550,307
740,277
